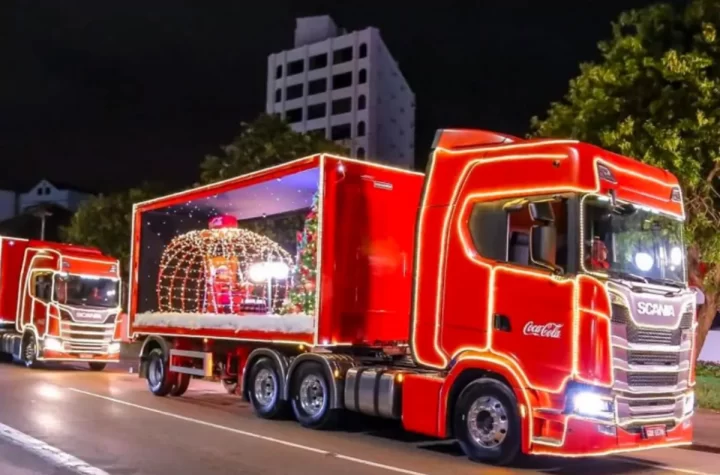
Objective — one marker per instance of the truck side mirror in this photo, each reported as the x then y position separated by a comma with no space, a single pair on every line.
543,246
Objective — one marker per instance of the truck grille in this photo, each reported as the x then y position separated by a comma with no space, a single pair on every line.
653,358
651,336
86,338
652,379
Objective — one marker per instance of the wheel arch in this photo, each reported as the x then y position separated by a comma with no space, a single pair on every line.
469,368
335,367
281,361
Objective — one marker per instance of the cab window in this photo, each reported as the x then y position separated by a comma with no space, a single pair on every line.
41,285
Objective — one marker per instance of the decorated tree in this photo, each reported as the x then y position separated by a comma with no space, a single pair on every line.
655,96
302,295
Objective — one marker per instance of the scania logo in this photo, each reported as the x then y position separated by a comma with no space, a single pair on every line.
88,315
655,309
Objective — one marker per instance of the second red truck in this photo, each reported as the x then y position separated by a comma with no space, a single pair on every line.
519,292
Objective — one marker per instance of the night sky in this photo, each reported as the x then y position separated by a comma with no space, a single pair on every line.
107,94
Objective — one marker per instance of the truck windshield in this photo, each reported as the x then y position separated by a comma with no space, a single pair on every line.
632,243
86,290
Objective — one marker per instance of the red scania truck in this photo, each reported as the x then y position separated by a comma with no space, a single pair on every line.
522,296
58,302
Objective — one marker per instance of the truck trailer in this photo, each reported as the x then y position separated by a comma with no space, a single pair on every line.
522,296
58,303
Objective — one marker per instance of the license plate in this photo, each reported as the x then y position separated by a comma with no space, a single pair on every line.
654,432
85,355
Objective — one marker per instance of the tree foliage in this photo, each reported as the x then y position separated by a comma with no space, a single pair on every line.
265,142
105,222
655,96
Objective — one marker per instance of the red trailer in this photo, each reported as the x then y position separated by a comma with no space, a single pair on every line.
519,291
58,302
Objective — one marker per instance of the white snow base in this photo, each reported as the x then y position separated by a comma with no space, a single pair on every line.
292,323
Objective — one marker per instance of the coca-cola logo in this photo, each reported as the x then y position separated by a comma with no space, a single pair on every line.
548,330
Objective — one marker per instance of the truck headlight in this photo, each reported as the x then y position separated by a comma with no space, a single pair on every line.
52,344
591,404
689,403
114,347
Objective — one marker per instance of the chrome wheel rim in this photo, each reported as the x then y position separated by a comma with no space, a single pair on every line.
156,372
30,351
487,422
265,387
312,395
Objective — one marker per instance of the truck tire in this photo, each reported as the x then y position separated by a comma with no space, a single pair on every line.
264,389
95,366
230,385
486,422
158,374
182,382
310,394
29,351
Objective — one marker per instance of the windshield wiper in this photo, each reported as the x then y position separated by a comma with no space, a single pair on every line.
627,275
670,282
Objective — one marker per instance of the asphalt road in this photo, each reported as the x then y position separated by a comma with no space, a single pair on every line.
108,423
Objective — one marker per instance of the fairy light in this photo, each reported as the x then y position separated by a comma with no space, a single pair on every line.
211,270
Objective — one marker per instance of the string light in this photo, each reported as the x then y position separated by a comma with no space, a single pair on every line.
212,271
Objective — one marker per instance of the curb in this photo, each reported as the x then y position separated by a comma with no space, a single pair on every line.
710,449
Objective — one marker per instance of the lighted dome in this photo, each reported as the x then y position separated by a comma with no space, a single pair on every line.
223,270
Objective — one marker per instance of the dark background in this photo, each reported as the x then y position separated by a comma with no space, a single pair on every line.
106,94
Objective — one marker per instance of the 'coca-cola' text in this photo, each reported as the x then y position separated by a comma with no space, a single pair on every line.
548,330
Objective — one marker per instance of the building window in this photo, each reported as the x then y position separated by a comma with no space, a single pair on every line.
342,80
316,111
362,76
341,106
294,92
340,132
362,102
316,132
360,152
342,55
363,50
278,72
317,62
294,115
317,86
278,95
295,67
361,129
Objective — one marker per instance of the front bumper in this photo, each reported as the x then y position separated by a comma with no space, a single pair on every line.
584,437
107,352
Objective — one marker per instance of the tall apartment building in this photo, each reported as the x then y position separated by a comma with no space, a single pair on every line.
347,87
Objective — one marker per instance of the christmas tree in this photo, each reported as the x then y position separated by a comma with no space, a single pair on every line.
302,295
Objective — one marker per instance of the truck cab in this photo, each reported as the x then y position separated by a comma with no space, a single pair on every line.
561,267
59,303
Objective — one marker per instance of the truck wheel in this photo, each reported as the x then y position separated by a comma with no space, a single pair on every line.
264,389
181,384
311,397
29,352
95,366
486,422
230,385
158,374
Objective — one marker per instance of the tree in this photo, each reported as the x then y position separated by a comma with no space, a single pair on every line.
265,142
105,222
655,96
302,294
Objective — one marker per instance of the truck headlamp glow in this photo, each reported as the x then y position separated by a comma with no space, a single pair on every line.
590,404
114,347
52,344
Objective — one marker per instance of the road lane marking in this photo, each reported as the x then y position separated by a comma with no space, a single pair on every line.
348,458
49,453
253,435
